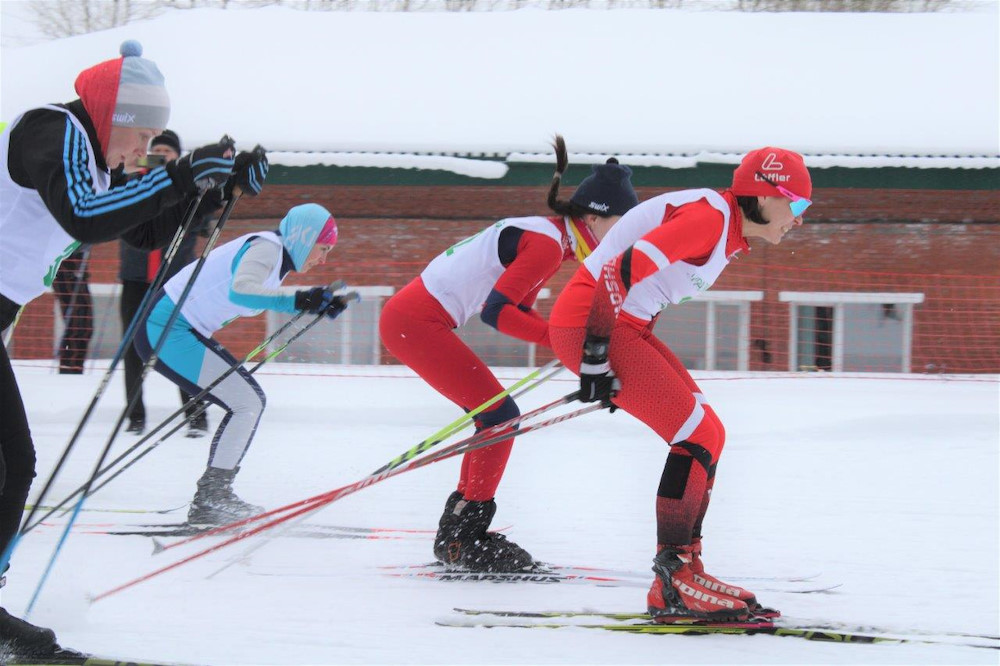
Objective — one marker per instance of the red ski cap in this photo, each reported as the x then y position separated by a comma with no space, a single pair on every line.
782,167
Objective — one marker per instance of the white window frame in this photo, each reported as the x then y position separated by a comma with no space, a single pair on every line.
838,299
742,300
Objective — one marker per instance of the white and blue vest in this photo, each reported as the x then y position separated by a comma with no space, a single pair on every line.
207,306
32,244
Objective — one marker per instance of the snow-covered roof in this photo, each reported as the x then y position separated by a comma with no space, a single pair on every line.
495,166
662,87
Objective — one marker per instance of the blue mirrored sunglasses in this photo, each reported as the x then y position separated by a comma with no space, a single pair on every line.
797,204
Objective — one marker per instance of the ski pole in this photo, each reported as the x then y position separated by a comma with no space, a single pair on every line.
201,408
479,436
457,448
452,428
477,441
134,398
336,285
144,306
452,450
468,419
426,444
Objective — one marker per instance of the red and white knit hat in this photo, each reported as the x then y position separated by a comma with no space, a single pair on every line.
124,92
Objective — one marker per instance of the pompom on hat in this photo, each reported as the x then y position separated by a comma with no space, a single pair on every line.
607,191
781,167
124,92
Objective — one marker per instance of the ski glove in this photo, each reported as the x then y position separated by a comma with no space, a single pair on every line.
204,168
597,380
249,171
340,304
314,301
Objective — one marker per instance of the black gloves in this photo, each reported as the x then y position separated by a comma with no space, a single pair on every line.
204,168
320,300
313,301
249,171
597,381
340,303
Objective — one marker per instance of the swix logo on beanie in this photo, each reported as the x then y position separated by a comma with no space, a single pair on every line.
781,166
124,92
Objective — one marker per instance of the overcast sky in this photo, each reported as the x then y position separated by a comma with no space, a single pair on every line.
613,82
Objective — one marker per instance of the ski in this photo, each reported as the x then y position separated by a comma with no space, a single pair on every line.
81,661
308,530
625,573
550,574
66,657
824,625
750,628
540,577
316,526
42,507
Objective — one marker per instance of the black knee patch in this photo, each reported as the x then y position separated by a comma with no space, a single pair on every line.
505,412
674,479
699,453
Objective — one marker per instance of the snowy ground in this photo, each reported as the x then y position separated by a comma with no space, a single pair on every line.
887,486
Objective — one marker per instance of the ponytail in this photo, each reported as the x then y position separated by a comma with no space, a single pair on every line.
561,206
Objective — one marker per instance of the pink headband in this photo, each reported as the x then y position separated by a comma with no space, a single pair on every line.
329,234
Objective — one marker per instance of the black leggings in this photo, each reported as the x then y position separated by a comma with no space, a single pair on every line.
17,452
71,287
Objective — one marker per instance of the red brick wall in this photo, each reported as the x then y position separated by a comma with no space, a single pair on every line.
854,240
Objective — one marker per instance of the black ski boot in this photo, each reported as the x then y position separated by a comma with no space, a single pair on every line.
22,640
197,425
462,540
215,503
136,425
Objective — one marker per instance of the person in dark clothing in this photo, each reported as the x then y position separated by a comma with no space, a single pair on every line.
137,271
71,287
63,183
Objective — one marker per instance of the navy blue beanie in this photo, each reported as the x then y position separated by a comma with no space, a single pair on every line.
607,191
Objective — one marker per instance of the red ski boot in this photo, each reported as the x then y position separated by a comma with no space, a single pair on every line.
676,596
714,584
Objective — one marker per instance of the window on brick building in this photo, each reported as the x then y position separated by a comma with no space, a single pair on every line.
850,332
497,349
711,332
350,339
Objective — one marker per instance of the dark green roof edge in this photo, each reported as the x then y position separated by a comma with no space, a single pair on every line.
704,175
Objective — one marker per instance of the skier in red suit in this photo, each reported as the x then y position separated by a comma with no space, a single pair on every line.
663,252
496,274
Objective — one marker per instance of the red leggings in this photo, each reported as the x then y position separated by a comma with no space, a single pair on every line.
659,391
420,333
